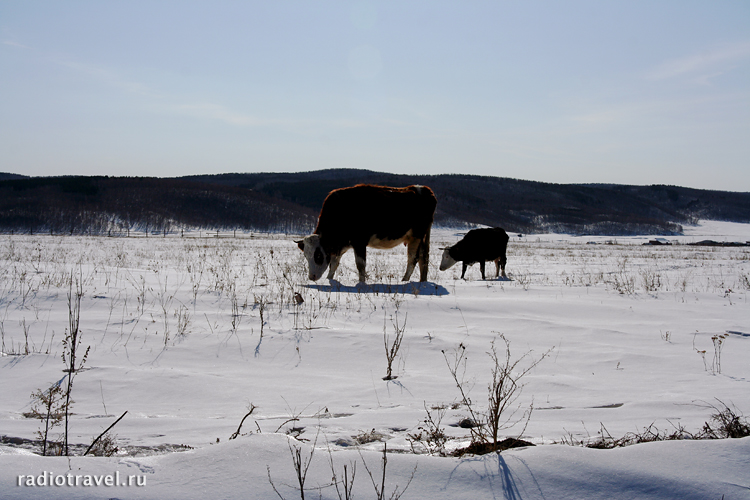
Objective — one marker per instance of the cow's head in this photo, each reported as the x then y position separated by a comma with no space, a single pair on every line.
447,260
317,258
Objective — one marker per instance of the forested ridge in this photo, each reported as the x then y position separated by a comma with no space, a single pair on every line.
290,202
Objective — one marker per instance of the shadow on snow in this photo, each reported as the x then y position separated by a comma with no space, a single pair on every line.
417,288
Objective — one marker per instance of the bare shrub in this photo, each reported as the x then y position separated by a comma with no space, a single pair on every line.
49,407
621,279
725,423
651,279
522,279
371,436
25,328
237,315
300,463
379,484
106,446
71,348
744,280
391,350
140,290
430,436
345,485
183,320
503,392
605,441
702,353
261,302
165,300
250,411
718,342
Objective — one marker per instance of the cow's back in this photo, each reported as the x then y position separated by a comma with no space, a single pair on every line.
484,244
355,214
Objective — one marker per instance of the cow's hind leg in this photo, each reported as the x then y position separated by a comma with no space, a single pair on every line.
424,257
412,256
481,268
463,269
360,258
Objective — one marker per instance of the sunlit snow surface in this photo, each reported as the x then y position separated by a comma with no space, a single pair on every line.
174,329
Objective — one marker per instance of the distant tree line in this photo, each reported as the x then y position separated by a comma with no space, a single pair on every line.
103,205
290,202
518,205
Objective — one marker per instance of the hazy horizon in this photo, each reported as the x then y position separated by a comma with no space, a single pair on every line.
579,92
374,171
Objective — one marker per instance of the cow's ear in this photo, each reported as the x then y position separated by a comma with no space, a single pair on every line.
301,244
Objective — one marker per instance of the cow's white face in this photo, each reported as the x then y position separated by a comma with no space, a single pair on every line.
317,258
447,261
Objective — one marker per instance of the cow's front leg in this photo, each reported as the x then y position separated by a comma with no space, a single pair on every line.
503,261
335,261
481,268
360,258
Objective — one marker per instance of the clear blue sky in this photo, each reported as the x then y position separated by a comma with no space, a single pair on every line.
632,92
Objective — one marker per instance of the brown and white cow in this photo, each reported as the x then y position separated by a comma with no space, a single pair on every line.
364,216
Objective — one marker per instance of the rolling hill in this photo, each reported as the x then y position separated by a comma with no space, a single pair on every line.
290,202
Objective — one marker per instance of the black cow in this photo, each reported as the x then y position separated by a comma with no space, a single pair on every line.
371,216
479,245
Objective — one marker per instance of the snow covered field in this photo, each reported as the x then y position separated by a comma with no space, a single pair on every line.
186,333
